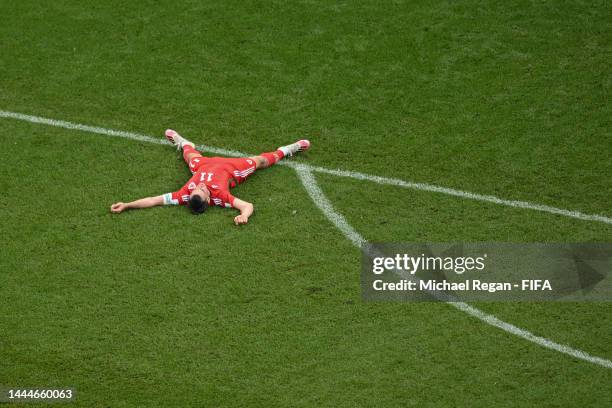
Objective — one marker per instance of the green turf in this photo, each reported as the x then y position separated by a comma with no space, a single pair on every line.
161,308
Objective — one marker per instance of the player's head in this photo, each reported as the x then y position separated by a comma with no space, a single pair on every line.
199,199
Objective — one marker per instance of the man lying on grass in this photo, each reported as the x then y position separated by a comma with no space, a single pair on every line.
212,179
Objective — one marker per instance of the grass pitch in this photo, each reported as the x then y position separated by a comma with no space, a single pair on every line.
161,308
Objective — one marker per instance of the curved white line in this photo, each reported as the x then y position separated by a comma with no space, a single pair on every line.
340,173
321,201
304,171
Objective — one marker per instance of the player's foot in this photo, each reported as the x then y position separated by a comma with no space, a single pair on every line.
299,146
177,140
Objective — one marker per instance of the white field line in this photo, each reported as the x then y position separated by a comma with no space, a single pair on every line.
542,341
321,201
304,171
465,194
339,173
108,132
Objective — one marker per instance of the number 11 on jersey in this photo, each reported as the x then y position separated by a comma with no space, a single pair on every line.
206,177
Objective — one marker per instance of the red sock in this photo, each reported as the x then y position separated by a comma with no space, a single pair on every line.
188,149
273,157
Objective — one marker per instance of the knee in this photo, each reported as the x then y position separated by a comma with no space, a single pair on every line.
190,155
260,161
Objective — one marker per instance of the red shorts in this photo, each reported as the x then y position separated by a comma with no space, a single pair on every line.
239,168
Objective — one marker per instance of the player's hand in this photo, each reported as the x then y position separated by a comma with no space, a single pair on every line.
241,219
118,207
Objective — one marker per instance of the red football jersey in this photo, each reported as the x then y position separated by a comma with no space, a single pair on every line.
219,174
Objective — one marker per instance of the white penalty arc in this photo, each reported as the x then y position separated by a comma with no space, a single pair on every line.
305,173
321,201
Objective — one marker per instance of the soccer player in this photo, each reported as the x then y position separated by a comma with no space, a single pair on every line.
212,179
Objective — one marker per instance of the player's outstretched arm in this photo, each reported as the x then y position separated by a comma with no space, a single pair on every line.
142,203
246,210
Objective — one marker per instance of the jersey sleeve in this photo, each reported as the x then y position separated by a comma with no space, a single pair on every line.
180,197
175,198
224,199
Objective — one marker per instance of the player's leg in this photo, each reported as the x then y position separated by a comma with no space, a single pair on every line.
265,160
268,159
189,151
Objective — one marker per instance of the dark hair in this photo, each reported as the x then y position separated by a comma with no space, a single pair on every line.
197,205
